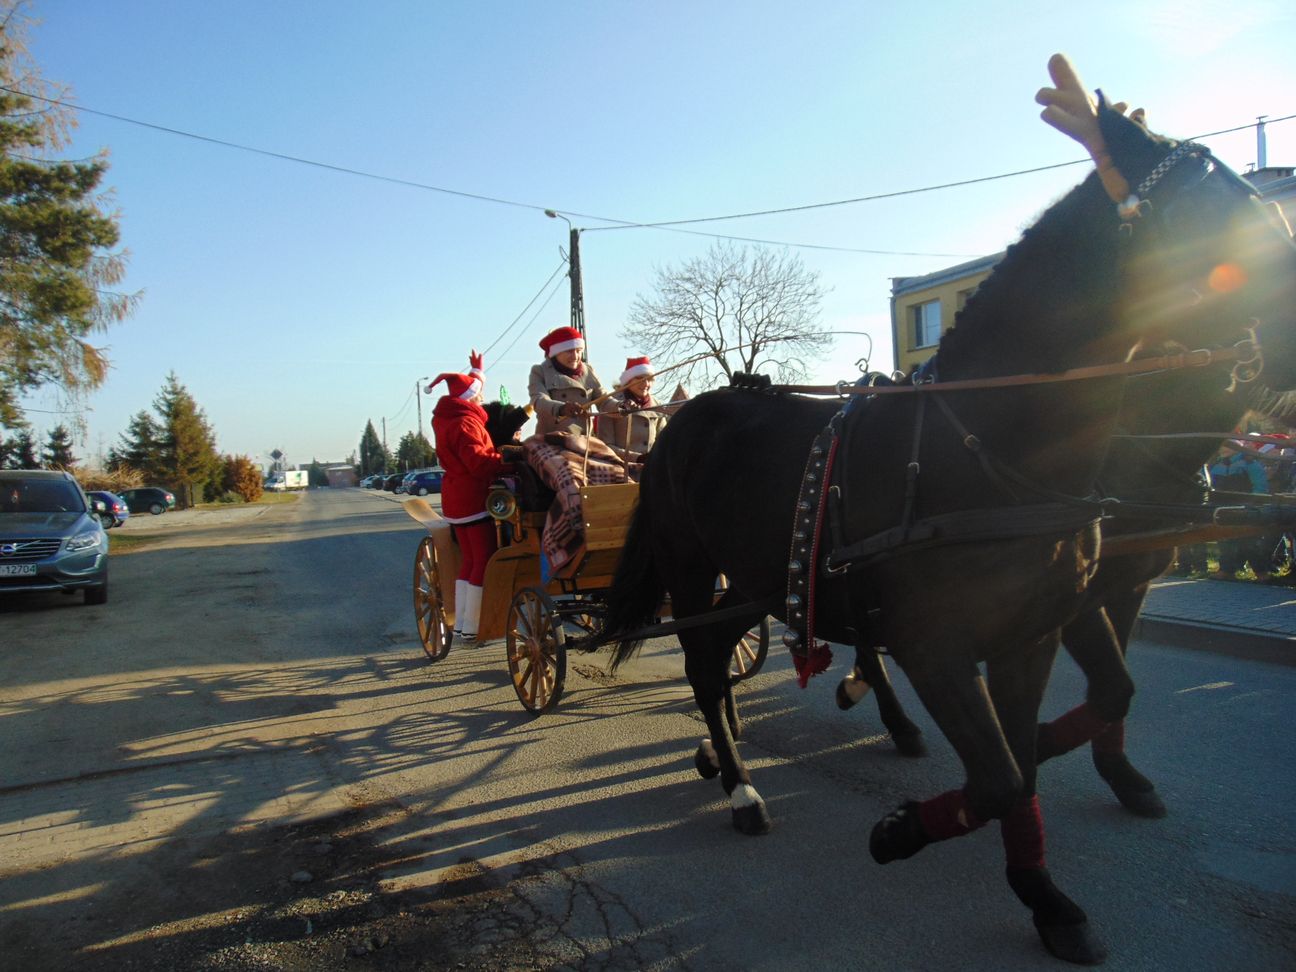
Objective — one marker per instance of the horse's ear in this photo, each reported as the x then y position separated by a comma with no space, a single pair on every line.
1134,151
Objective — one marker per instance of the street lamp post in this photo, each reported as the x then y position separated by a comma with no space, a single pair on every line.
418,397
574,274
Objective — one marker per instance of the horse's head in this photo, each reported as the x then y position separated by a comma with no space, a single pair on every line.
503,422
1209,263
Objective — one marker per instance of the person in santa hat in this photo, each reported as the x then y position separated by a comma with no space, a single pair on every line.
471,463
634,419
562,385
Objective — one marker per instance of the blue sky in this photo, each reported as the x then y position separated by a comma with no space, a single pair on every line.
296,302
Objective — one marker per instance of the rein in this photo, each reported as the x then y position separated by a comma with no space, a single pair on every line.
1246,355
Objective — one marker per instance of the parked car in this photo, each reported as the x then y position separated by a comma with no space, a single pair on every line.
50,537
373,482
111,508
392,481
424,481
149,499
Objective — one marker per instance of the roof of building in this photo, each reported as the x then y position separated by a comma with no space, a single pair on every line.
904,285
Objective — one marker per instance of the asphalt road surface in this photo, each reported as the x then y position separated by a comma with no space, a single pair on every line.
243,761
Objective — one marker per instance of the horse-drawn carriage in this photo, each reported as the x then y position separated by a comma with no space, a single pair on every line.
533,609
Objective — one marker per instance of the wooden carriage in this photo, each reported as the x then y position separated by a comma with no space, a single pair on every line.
534,614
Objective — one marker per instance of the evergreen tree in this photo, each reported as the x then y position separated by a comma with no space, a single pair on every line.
6,452
57,264
414,452
139,448
315,474
57,453
22,451
189,462
373,457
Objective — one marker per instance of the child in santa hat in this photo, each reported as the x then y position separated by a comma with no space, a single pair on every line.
471,463
634,422
563,383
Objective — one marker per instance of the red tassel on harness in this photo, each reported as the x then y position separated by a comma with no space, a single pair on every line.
813,662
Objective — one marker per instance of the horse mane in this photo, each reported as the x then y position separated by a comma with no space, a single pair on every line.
1051,296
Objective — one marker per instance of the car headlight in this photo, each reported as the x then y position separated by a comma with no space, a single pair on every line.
84,541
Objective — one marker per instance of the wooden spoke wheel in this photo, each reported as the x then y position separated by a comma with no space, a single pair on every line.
537,652
749,654
429,606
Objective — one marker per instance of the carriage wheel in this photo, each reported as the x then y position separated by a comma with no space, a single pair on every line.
429,609
749,654
537,652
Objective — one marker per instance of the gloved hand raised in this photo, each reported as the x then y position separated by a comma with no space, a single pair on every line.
570,409
475,360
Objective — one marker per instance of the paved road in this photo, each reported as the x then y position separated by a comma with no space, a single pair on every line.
277,677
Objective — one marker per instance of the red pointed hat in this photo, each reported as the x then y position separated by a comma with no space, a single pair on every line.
561,339
463,386
635,368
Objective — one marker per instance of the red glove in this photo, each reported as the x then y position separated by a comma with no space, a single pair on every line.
475,360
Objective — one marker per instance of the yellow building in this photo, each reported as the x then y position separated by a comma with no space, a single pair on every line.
923,308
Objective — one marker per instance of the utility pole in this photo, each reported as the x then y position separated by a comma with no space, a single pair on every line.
418,396
574,274
384,443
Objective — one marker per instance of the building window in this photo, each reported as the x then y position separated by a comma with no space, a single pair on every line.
962,297
926,321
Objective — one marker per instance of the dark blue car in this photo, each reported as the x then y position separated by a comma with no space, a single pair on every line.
423,482
113,512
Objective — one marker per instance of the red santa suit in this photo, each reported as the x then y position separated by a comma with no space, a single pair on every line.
471,462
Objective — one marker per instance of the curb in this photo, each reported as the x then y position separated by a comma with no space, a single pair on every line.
1272,648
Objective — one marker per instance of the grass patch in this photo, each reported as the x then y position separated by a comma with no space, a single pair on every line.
123,543
267,499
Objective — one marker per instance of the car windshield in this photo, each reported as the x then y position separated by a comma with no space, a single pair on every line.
40,496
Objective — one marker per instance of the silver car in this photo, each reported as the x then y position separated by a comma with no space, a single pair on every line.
50,537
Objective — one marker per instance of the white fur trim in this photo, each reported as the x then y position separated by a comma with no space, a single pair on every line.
745,795
630,374
474,389
472,611
572,345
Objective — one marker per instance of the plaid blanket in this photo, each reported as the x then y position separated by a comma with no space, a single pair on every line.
566,462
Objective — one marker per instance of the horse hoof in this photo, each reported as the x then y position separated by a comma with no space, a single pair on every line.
844,701
910,744
752,819
898,835
706,761
1141,803
1135,791
1073,943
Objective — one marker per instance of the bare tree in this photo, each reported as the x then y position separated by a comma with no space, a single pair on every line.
731,310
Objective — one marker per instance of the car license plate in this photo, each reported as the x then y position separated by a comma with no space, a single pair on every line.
17,570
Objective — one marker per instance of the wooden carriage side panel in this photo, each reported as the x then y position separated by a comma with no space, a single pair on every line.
509,570
607,511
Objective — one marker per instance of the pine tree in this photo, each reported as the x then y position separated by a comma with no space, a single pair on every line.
373,457
22,451
57,264
140,448
57,453
189,462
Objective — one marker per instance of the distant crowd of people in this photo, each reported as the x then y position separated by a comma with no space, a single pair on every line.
1243,467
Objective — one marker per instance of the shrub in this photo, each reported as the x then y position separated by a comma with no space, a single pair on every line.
242,476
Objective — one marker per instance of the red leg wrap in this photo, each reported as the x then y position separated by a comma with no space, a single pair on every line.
1023,833
948,815
1074,728
1111,740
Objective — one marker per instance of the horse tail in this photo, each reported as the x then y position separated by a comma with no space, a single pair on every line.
635,597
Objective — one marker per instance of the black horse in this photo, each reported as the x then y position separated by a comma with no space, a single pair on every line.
1145,469
1080,289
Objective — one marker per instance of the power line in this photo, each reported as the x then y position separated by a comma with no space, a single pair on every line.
506,330
618,223
539,311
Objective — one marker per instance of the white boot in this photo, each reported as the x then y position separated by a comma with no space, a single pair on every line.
460,603
472,612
